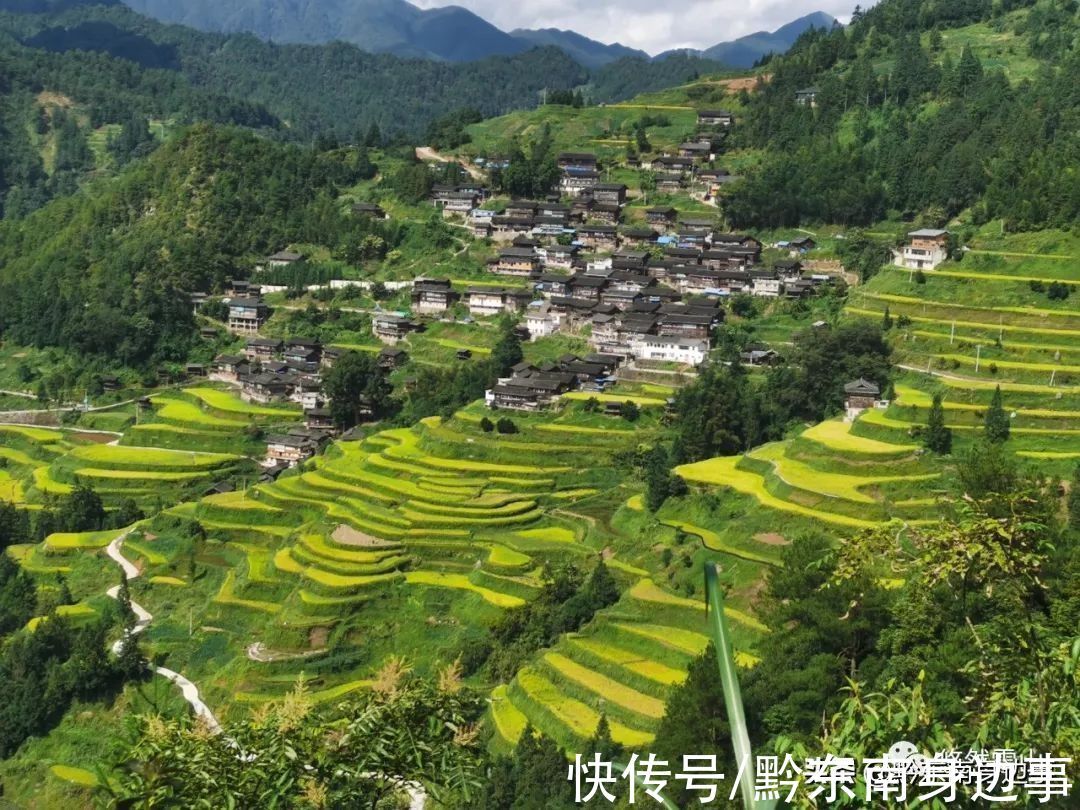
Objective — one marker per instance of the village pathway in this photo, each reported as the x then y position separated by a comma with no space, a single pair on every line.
428,153
143,618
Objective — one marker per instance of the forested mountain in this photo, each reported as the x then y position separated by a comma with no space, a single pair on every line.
451,32
900,123
333,89
745,51
107,273
377,26
589,52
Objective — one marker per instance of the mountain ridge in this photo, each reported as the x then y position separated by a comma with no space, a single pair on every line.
451,33
745,51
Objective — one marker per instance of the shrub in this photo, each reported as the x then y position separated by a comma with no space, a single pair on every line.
1058,291
505,426
629,411
487,425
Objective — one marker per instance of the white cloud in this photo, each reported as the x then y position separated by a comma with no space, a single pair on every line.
648,24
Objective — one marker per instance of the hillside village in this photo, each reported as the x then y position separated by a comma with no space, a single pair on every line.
508,458
644,292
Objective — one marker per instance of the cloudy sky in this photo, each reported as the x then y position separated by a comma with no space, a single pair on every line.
651,25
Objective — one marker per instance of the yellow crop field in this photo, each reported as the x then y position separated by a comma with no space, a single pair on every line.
605,687
34,434
44,482
722,472
74,612
686,641
229,403
653,670
509,721
76,776
10,489
241,501
574,714
503,557
836,435
227,596
555,427
150,457
647,591
173,581
552,534
67,541
1016,365
832,485
17,457
332,580
137,475
180,410
437,579
642,402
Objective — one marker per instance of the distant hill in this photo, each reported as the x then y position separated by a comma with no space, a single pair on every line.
378,26
449,33
588,52
745,51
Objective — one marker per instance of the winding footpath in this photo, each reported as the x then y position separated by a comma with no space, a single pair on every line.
257,652
143,618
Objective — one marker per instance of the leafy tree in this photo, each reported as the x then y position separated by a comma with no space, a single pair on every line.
1074,499
507,352
81,511
506,426
354,384
996,420
657,478
404,730
534,778
987,470
937,438
17,595
629,411
487,425
886,320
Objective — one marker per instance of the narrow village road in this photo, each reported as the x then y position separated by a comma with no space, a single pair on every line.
143,619
428,153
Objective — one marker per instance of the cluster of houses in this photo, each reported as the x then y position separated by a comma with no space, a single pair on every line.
531,387
272,370
656,297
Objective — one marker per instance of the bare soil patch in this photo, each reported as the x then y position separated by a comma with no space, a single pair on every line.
348,536
772,539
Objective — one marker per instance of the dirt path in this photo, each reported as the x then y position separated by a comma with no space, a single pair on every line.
143,618
258,652
427,153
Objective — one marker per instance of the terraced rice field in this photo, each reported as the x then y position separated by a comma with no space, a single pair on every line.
438,524
229,403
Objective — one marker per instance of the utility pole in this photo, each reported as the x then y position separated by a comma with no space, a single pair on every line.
978,356
952,334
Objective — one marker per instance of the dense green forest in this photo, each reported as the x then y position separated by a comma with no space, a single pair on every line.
333,89
108,273
901,125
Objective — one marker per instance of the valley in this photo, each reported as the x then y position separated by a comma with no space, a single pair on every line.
414,455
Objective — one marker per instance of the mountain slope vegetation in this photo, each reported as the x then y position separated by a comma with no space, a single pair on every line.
378,26
907,118
106,273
